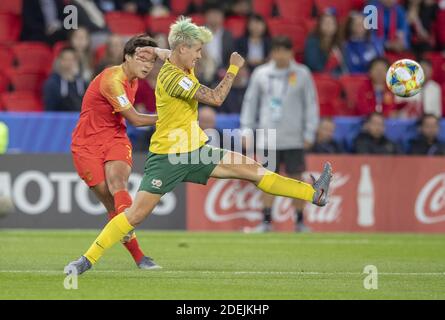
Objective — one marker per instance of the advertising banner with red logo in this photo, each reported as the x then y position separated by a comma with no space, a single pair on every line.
368,193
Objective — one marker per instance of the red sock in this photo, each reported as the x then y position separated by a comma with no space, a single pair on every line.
122,201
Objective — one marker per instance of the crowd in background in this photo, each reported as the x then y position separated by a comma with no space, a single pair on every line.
347,61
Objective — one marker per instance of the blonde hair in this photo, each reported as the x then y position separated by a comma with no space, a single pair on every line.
185,31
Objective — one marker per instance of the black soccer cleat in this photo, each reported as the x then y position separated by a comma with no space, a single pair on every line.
321,186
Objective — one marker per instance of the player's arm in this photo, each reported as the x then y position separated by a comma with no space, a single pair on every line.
145,53
216,97
138,119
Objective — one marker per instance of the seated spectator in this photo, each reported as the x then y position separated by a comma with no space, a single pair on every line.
234,99
429,100
421,15
79,40
91,17
321,52
113,53
372,139
393,28
427,142
374,95
324,142
359,49
64,89
222,44
254,46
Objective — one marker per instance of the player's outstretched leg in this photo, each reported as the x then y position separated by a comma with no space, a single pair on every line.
116,230
236,166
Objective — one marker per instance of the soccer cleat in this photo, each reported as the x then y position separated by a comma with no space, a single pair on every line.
261,228
78,267
147,263
301,227
321,186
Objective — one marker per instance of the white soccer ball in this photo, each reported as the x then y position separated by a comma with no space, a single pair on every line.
405,78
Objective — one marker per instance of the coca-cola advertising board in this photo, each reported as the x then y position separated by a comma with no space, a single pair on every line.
368,193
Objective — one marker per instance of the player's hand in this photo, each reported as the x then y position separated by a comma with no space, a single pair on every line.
236,59
162,54
144,54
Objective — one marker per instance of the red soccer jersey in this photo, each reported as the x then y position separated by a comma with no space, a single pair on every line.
100,120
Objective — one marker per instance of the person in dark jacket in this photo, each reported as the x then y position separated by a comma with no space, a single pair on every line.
427,143
373,140
64,89
325,142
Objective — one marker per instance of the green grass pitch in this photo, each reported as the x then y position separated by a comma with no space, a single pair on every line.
227,266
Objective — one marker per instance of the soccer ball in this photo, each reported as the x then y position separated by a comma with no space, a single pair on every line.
405,78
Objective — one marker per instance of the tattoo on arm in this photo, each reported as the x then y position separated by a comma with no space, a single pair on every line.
215,96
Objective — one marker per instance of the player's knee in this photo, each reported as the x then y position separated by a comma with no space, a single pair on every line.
135,217
116,184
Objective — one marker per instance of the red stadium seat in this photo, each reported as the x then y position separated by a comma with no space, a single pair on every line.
295,10
159,24
123,23
179,6
263,7
236,25
329,95
33,56
58,46
21,101
295,30
99,53
441,28
443,100
6,58
11,6
10,26
4,83
26,81
198,19
393,57
351,84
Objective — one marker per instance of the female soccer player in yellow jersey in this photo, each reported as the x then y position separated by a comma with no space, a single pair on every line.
178,135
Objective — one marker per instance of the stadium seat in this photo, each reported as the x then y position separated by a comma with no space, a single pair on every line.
10,26
99,53
198,19
21,101
263,7
393,56
295,10
329,95
236,25
6,58
296,30
159,24
4,83
441,28
22,80
443,100
351,85
11,6
58,46
33,56
179,6
123,23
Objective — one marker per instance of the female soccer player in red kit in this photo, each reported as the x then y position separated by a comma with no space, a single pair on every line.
100,146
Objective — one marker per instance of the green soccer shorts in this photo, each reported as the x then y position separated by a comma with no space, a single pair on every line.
163,172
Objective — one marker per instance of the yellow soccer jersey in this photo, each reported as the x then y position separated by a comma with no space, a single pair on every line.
177,128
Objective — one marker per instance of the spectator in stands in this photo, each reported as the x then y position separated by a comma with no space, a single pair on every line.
372,139
113,53
283,94
254,46
427,142
240,8
90,17
222,44
42,21
374,96
79,40
322,52
359,48
64,89
429,100
421,17
206,69
325,142
393,28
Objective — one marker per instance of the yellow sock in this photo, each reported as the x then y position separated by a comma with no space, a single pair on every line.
113,232
281,186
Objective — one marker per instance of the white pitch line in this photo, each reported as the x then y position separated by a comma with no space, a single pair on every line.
240,272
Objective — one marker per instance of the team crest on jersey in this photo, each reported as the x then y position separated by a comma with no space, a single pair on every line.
123,100
186,83
156,183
